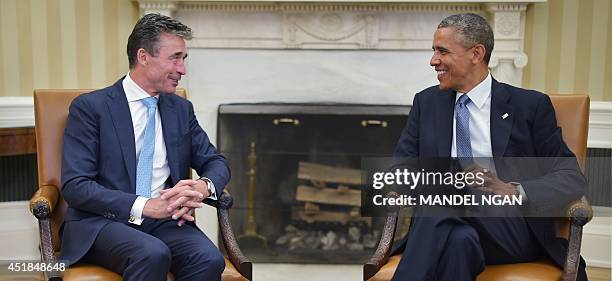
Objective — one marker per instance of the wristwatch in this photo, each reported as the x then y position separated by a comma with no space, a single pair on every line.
209,185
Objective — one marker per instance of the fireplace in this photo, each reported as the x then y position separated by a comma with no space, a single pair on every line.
296,177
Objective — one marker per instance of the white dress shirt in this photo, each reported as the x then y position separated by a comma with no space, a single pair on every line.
480,127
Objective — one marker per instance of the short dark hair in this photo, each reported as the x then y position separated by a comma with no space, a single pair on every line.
471,29
146,34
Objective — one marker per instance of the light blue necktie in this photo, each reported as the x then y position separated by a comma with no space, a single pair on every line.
144,169
462,130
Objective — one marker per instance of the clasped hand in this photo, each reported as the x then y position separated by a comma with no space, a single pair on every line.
492,183
178,202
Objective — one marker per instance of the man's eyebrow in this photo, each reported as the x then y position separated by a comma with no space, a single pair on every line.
439,48
178,54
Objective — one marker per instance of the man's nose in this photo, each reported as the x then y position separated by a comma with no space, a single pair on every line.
434,61
181,69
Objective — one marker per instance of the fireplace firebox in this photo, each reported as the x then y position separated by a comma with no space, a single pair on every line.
296,177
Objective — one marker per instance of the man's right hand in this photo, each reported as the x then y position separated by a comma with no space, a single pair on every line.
157,208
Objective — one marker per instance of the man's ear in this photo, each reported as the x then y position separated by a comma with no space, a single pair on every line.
479,53
142,56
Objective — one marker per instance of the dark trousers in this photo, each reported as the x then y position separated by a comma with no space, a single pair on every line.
151,250
453,248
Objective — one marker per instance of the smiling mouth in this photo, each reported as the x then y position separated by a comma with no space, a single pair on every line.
441,72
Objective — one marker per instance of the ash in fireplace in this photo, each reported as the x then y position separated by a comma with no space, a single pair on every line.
351,237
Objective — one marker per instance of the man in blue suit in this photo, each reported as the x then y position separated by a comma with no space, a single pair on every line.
127,153
469,114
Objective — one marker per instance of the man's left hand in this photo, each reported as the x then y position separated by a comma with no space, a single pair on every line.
494,185
185,197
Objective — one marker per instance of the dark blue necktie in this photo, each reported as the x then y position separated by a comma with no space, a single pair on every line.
462,130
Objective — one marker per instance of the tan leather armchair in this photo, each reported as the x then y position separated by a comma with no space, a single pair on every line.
573,118
47,205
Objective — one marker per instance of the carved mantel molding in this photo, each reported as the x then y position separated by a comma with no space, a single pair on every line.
508,58
368,25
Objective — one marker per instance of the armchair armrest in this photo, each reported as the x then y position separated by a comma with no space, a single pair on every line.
43,201
42,204
381,255
235,255
579,213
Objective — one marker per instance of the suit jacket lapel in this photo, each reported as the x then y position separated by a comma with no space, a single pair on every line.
444,122
122,120
501,126
171,135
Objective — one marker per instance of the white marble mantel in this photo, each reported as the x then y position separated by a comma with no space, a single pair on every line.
346,25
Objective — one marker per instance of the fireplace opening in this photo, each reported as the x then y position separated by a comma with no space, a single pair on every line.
296,177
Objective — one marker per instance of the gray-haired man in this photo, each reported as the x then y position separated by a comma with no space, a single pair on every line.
128,150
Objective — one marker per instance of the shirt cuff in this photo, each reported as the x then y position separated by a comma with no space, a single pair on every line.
520,189
136,212
211,188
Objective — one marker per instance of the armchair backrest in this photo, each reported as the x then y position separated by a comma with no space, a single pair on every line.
51,113
572,112
573,117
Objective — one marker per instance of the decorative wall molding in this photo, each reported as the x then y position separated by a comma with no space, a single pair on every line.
16,112
333,28
287,6
321,25
600,125
162,7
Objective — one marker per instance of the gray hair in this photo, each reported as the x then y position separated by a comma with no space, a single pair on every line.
471,29
146,34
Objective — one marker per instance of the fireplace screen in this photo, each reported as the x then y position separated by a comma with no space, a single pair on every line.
296,177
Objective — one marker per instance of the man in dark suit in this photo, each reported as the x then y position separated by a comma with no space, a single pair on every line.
469,114
127,153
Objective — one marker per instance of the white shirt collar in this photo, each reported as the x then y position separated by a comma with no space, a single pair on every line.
479,94
133,92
